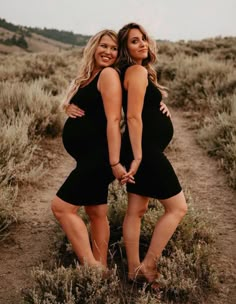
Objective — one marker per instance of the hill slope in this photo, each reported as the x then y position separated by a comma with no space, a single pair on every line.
15,38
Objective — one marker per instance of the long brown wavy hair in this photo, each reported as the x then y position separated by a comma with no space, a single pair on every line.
124,59
87,63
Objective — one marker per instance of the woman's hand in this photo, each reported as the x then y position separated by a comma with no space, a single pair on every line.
121,174
129,176
74,111
164,109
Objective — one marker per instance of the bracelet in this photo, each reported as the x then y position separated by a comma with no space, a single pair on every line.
113,165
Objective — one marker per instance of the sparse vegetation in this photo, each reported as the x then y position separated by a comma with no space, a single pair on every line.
202,82
186,264
29,112
74,286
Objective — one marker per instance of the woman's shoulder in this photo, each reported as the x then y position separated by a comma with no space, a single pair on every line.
136,72
108,72
137,68
137,75
108,76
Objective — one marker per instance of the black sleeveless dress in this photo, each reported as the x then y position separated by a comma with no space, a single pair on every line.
155,177
85,139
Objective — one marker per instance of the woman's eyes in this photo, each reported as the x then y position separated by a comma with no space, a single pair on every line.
106,46
137,40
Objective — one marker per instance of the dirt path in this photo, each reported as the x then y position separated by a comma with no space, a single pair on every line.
31,239
208,187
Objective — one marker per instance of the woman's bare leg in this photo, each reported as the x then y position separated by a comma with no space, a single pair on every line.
100,231
137,205
75,230
175,209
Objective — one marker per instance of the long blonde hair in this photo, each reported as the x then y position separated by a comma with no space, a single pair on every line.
124,59
87,64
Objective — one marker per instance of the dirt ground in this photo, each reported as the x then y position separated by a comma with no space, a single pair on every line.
31,239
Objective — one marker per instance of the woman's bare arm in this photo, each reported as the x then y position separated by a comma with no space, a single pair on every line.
136,83
110,87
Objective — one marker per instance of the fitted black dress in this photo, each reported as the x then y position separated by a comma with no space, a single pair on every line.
85,139
155,177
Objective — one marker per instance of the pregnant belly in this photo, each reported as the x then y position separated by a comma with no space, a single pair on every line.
82,137
157,131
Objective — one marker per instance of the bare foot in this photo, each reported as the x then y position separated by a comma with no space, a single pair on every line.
136,275
150,274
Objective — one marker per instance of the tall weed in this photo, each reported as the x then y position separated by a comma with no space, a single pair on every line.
8,216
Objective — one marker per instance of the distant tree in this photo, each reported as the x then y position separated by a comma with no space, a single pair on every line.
62,36
14,40
7,25
21,42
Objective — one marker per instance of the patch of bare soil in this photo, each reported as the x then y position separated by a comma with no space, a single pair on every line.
30,241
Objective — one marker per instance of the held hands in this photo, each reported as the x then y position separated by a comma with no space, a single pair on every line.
164,109
129,176
74,111
121,174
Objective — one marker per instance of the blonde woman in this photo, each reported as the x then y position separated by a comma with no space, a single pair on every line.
91,135
147,134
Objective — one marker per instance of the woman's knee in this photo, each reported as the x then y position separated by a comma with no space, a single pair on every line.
54,206
60,208
182,209
139,212
96,212
176,204
182,205
137,205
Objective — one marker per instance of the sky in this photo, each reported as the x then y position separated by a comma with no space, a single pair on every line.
163,19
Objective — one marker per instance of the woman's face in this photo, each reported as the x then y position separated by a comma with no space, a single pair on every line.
137,45
106,52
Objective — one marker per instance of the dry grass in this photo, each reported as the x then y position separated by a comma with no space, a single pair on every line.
205,84
30,94
186,264
8,216
68,285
